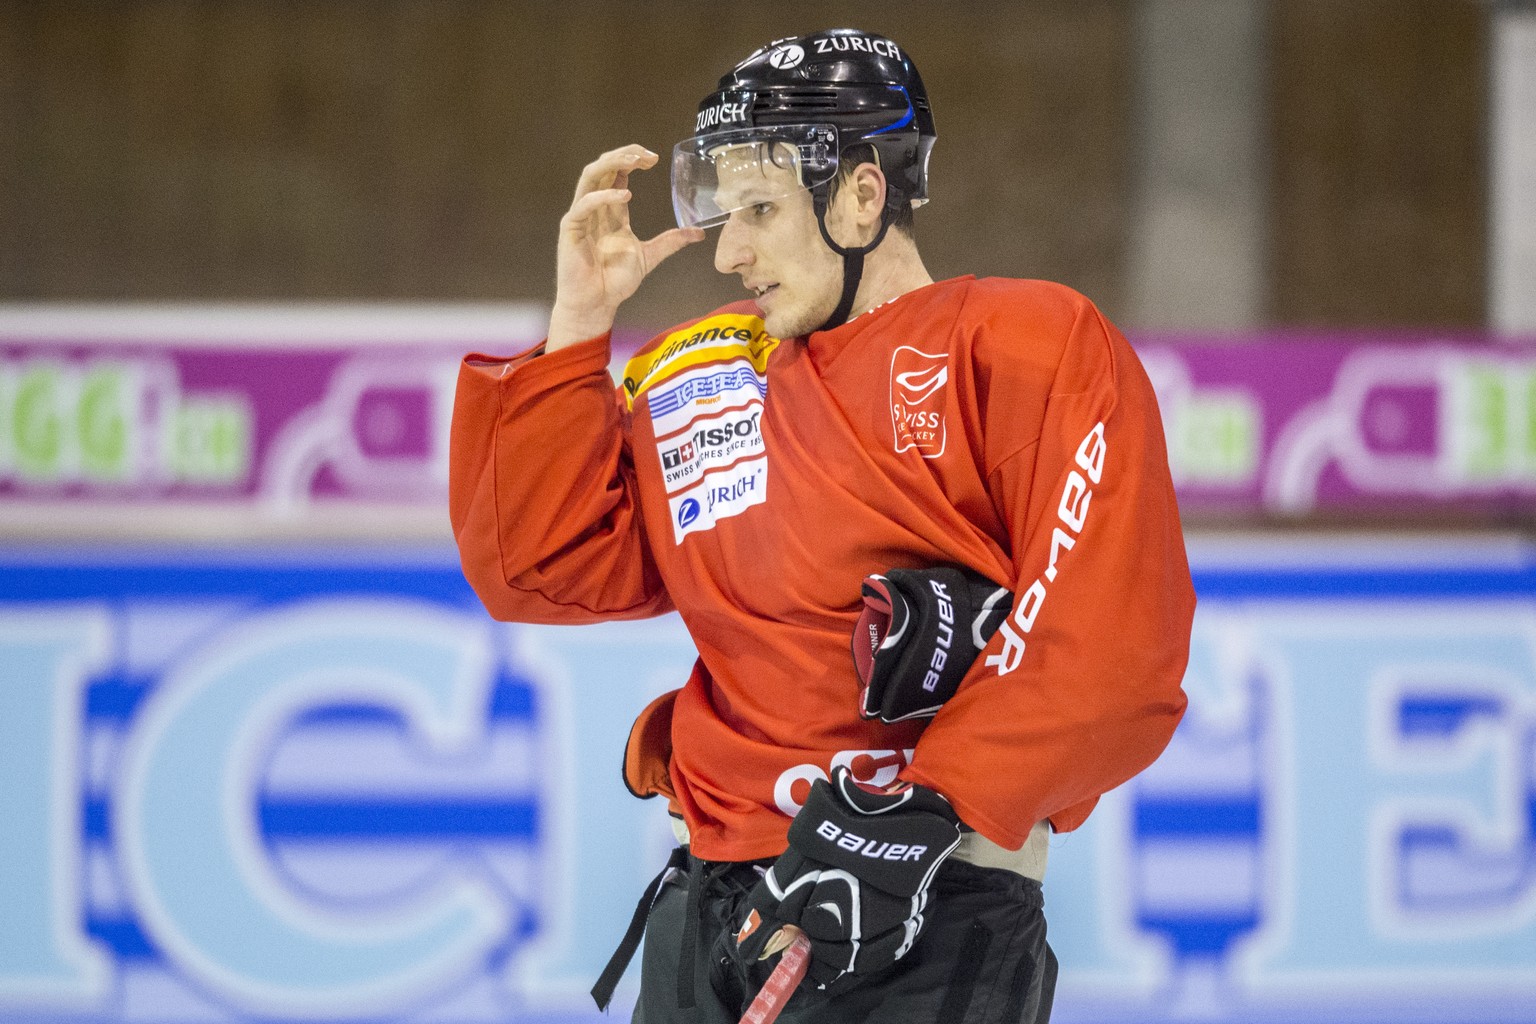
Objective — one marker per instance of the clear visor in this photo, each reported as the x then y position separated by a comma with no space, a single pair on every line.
715,175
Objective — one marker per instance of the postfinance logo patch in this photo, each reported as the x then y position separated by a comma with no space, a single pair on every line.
715,339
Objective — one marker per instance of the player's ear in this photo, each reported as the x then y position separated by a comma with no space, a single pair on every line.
868,186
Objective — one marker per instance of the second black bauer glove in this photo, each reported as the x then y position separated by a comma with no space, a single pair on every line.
918,633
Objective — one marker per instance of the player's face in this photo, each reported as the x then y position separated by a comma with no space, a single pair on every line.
774,244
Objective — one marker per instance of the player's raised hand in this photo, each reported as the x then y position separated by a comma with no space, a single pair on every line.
600,261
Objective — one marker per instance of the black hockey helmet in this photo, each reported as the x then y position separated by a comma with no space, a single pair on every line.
853,86
791,110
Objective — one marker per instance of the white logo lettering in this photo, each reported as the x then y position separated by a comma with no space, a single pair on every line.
721,113
871,767
858,44
874,849
918,385
945,638
1072,511
788,56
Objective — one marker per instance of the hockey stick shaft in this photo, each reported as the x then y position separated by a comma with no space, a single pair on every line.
781,984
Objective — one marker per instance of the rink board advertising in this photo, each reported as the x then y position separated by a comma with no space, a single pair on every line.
235,420
324,786
253,420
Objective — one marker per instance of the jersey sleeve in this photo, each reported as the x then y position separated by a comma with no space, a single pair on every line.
1080,688
542,492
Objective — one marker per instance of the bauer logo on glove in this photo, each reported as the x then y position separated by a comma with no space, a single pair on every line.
856,877
918,633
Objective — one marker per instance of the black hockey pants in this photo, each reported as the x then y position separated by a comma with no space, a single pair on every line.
981,958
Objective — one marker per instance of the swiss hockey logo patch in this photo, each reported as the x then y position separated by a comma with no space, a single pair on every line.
919,390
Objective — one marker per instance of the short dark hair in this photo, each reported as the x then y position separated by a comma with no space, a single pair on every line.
848,162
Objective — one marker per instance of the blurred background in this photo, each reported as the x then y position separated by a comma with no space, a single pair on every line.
264,757
1185,163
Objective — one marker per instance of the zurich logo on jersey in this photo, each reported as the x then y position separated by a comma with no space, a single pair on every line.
687,512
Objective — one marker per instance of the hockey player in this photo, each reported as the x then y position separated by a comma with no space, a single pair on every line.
964,481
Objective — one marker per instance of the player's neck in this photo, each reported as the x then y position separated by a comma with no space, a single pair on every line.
891,271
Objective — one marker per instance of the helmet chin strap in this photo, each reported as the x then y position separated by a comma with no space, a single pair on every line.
853,260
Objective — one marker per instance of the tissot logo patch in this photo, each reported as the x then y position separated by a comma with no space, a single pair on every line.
711,442
919,393
671,458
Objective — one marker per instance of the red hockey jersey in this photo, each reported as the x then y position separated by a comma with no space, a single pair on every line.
753,483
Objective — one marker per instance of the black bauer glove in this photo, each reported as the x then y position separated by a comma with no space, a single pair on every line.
918,634
855,877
